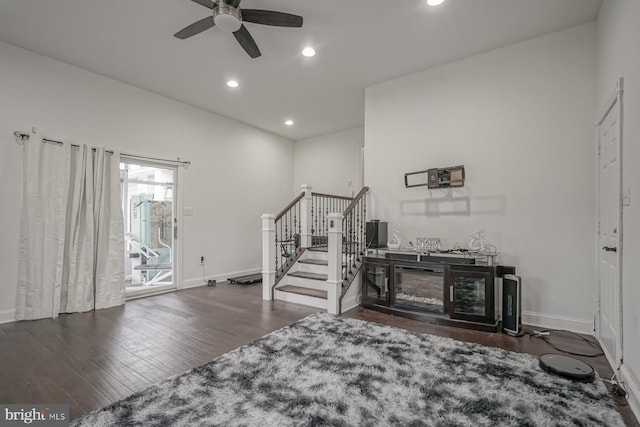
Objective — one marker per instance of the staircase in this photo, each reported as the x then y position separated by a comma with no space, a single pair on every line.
306,281
313,249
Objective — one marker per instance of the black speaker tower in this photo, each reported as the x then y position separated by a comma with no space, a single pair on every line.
512,305
376,234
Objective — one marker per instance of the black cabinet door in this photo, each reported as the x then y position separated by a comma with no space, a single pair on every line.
470,294
376,283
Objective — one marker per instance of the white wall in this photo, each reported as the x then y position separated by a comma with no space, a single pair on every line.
617,56
330,162
237,172
520,119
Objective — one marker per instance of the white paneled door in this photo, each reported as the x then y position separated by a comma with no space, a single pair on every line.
609,325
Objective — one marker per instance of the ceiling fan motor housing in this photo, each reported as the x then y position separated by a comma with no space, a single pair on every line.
227,18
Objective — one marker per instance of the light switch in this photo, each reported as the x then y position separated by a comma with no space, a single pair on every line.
626,197
187,211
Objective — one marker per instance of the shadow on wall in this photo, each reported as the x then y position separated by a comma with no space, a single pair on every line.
454,206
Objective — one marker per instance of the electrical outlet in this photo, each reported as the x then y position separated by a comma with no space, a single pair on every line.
211,282
202,260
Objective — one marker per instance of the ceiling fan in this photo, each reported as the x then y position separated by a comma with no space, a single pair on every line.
228,16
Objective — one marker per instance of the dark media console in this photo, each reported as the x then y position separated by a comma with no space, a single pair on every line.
451,290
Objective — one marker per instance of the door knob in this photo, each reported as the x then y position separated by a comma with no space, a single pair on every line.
609,249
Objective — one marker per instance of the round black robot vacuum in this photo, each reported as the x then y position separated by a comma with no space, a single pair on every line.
567,367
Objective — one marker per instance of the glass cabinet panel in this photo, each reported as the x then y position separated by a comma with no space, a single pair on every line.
469,295
375,283
419,288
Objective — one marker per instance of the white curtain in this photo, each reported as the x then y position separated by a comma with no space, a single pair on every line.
72,235
76,290
109,230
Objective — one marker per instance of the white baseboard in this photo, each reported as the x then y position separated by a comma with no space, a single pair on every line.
551,321
632,386
143,293
7,316
193,283
223,277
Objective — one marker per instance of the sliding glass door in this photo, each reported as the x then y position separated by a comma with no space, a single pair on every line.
149,209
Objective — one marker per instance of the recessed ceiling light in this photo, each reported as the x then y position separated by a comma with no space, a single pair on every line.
289,122
232,83
434,2
308,51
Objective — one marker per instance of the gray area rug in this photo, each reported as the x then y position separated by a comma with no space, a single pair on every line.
333,371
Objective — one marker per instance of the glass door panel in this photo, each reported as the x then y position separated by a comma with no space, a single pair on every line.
471,293
419,288
375,283
469,296
149,212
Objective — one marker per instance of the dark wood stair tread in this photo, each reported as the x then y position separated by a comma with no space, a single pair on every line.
306,275
303,291
318,249
314,261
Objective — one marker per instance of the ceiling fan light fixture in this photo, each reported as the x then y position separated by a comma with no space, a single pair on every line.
227,18
308,51
435,2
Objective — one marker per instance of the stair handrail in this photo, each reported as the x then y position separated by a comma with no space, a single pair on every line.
355,200
332,196
288,228
353,240
284,211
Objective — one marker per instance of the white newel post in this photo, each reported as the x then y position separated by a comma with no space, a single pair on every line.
305,217
268,255
334,279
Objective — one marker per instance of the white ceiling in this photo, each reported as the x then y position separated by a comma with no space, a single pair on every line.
359,42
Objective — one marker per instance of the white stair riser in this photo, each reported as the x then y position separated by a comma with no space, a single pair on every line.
303,283
311,268
315,255
300,299
319,255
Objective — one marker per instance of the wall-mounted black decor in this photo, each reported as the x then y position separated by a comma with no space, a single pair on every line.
449,177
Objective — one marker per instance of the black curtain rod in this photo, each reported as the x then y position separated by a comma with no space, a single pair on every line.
25,136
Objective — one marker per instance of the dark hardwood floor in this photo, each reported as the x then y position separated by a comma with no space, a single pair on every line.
92,359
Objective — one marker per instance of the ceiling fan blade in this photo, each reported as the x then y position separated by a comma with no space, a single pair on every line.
205,3
233,3
195,28
247,42
270,17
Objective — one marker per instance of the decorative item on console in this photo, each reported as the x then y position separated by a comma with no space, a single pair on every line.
477,243
428,244
395,241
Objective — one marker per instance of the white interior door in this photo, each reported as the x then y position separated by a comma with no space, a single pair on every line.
609,327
